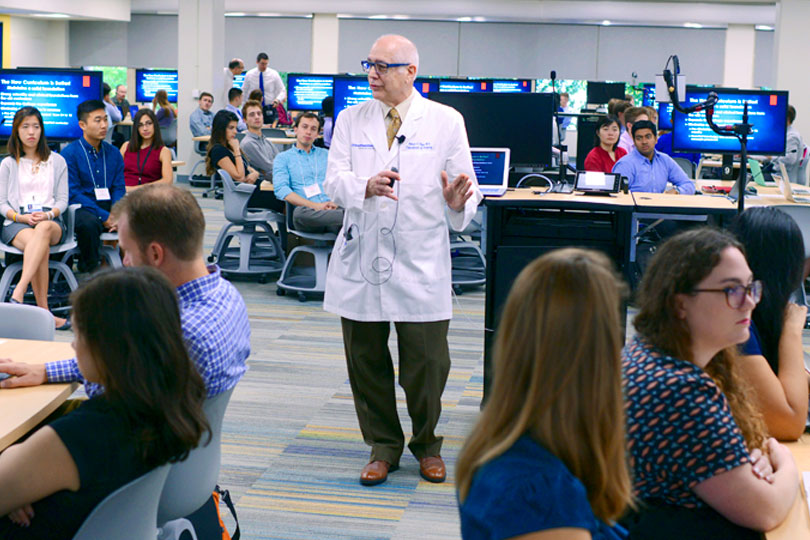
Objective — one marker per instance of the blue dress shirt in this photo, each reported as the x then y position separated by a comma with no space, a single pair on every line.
216,331
652,177
240,126
89,169
295,169
200,122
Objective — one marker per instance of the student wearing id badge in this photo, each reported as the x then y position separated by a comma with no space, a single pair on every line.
95,180
298,176
33,196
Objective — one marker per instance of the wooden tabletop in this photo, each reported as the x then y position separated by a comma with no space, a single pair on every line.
24,408
797,524
539,195
178,163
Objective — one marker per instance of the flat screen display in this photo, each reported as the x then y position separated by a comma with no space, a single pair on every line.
511,85
149,81
350,91
425,86
306,92
465,86
55,93
490,165
767,112
648,95
665,116
527,133
602,92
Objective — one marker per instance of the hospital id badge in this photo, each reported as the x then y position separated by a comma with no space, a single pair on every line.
312,190
30,208
102,194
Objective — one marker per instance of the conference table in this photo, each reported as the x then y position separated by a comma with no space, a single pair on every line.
21,409
797,524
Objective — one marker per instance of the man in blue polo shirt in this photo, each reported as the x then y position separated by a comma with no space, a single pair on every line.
298,176
95,180
649,170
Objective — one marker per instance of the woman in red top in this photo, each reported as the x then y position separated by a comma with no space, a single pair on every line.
146,159
605,153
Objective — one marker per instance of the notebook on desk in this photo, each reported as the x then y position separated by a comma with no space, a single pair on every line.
491,167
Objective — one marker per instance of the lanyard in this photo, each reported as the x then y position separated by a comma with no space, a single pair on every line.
90,167
141,166
313,167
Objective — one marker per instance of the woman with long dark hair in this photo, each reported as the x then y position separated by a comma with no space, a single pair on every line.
546,459
128,339
772,359
702,464
146,159
224,151
33,197
606,151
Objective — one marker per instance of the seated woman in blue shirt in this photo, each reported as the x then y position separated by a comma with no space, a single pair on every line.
702,466
128,338
546,459
772,359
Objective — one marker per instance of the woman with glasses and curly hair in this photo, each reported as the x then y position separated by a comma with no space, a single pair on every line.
702,464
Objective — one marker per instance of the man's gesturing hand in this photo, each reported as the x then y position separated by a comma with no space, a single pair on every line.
379,185
457,193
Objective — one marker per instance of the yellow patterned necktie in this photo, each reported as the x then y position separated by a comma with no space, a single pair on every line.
393,127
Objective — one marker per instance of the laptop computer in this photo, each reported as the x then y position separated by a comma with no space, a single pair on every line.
491,166
787,191
756,173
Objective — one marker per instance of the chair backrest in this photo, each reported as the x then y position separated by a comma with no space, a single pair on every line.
319,237
129,513
687,166
191,482
274,132
801,214
20,321
169,133
235,197
201,147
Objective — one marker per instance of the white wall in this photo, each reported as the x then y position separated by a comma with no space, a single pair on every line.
36,42
98,44
287,41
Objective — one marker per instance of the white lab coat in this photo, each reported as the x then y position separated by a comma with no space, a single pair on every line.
412,280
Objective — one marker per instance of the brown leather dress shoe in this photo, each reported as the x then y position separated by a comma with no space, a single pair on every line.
432,469
376,472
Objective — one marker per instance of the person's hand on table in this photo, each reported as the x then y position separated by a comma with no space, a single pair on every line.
379,185
22,374
22,516
110,225
456,193
672,191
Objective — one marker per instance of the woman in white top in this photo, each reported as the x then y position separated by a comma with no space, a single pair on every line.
33,196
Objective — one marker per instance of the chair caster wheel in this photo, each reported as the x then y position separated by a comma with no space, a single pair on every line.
457,290
302,297
211,258
280,292
205,195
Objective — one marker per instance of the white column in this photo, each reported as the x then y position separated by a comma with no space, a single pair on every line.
324,43
739,60
201,43
790,58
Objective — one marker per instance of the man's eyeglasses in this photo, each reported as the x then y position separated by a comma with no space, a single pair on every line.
381,67
735,296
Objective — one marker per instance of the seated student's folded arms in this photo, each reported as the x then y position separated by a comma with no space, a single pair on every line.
128,338
546,460
772,359
702,466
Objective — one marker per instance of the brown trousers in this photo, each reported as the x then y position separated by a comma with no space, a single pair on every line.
424,362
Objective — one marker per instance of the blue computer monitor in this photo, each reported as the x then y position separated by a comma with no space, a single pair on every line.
306,91
767,112
465,86
426,85
350,90
149,81
648,95
511,85
665,116
239,80
56,93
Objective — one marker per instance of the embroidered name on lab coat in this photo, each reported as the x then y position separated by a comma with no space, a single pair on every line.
419,146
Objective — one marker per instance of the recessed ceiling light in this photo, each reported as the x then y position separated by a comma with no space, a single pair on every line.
479,19
378,17
606,23
464,19
763,27
51,15
400,17
235,14
692,25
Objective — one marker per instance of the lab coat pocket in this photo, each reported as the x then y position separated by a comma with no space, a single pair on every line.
423,256
349,255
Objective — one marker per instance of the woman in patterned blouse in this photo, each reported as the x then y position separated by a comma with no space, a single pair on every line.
701,462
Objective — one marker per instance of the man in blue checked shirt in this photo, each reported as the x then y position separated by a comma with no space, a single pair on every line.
162,226
649,170
298,176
